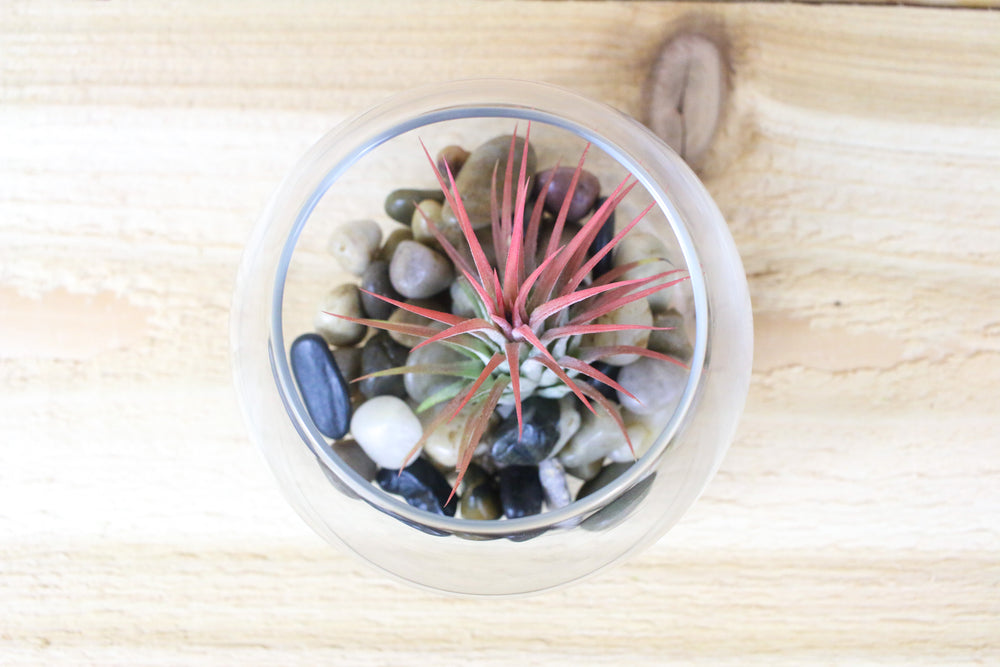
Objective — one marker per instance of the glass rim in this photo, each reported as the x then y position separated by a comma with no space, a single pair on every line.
438,103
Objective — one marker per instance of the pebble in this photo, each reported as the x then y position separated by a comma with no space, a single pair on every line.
584,196
421,485
418,224
349,362
418,272
376,279
480,496
454,156
641,245
422,385
611,372
354,244
587,470
635,312
402,316
323,389
569,422
462,298
391,243
608,474
552,477
520,491
641,435
598,435
350,452
603,238
400,204
657,384
381,353
538,437
386,429
673,341
344,300
475,180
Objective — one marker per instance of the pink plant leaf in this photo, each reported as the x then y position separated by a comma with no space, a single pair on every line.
495,212
474,430
511,350
617,300
399,327
429,313
566,203
520,304
546,358
463,327
495,361
445,415
534,224
584,270
588,354
549,308
575,364
582,329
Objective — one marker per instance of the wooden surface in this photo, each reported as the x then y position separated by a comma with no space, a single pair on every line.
856,519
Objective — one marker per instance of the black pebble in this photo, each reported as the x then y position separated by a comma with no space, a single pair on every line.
421,485
400,204
520,491
380,353
376,279
321,384
611,372
540,434
603,238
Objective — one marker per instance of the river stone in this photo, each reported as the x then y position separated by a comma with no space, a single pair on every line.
584,196
603,238
587,470
569,422
554,486
343,300
635,312
673,341
402,316
520,491
350,452
538,437
421,385
418,224
480,496
418,272
658,385
421,485
400,204
354,244
598,435
323,389
451,159
375,279
349,362
462,298
641,435
474,182
386,429
395,238
442,444
382,353
639,246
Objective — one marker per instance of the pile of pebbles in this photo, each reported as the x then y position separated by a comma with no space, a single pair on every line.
565,452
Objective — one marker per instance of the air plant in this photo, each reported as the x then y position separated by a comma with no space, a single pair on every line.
534,310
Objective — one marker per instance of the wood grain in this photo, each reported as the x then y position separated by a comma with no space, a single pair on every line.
856,519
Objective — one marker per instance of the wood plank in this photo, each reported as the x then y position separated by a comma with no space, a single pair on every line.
856,519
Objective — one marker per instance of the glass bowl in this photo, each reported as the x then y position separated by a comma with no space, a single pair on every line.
285,270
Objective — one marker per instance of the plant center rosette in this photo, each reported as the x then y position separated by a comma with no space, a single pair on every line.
504,354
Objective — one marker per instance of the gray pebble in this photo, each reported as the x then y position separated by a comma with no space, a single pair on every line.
382,353
673,341
657,384
553,479
418,272
354,244
421,385
400,204
342,300
376,279
395,238
350,452
349,361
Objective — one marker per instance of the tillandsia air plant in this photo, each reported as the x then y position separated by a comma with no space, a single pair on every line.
536,306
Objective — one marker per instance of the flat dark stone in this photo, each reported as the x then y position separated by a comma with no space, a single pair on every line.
539,436
381,353
520,491
421,485
603,238
324,390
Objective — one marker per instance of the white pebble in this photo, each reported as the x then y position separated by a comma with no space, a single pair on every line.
354,244
386,429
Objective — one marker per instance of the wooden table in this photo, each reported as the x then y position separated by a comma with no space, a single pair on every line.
856,519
